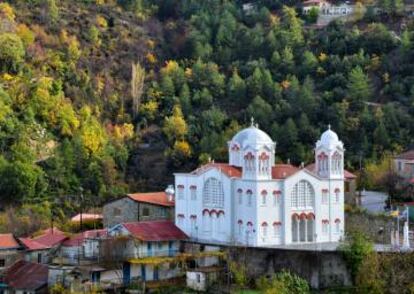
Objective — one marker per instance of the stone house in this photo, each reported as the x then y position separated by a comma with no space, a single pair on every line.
404,165
138,207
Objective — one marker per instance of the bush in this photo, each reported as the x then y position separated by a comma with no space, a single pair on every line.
283,283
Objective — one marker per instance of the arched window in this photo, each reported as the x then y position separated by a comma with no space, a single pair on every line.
213,195
249,197
263,163
276,229
303,195
240,196
264,229
276,197
337,195
240,227
249,161
264,196
337,226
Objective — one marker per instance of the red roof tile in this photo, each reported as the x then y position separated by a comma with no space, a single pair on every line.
347,174
155,231
78,239
158,198
26,275
230,170
408,155
50,238
8,241
31,244
282,171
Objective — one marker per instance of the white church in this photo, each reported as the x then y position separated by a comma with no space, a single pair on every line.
252,201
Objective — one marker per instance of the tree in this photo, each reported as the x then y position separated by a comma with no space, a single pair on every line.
53,11
236,88
175,127
356,250
137,86
11,52
359,88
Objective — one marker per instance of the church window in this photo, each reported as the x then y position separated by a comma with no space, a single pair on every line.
240,227
337,225
324,196
240,196
303,195
180,192
249,160
180,219
276,229
193,192
337,195
276,198
206,221
264,196
264,229
249,197
325,226
213,194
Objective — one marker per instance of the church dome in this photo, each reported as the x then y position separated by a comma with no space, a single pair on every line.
329,137
252,135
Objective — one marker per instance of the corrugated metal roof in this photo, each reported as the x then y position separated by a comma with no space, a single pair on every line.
155,231
50,238
24,275
31,244
78,239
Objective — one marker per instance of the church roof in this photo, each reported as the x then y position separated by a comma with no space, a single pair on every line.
282,171
252,136
230,170
347,174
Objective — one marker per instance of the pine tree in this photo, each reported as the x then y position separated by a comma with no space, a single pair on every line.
359,89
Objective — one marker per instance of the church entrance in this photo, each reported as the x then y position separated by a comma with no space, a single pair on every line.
303,228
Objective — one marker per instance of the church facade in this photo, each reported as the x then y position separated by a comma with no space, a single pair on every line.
252,201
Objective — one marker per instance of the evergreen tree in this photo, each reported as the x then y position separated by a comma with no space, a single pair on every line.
359,89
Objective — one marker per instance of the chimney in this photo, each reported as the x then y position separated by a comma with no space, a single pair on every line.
170,193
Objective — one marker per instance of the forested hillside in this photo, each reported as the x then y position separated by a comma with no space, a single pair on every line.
114,96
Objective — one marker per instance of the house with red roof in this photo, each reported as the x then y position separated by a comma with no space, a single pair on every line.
139,207
148,249
34,251
26,277
10,250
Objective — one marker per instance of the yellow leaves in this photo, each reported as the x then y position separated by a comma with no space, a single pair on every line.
122,132
274,20
149,109
322,57
188,73
25,34
68,120
151,58
170,67
175,127
7,77
375,62
285,84
101,22
6,11
74,51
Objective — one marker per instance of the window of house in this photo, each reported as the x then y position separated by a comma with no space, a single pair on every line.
399,166
193,193
180,219
198,278
2,262
39,258
240,196
145,211
116,211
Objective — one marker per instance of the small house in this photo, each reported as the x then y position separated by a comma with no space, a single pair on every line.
139,207
201,279
10,250
24,277
34,251
148,248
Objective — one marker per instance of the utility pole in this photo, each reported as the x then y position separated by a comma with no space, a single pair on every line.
81,208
